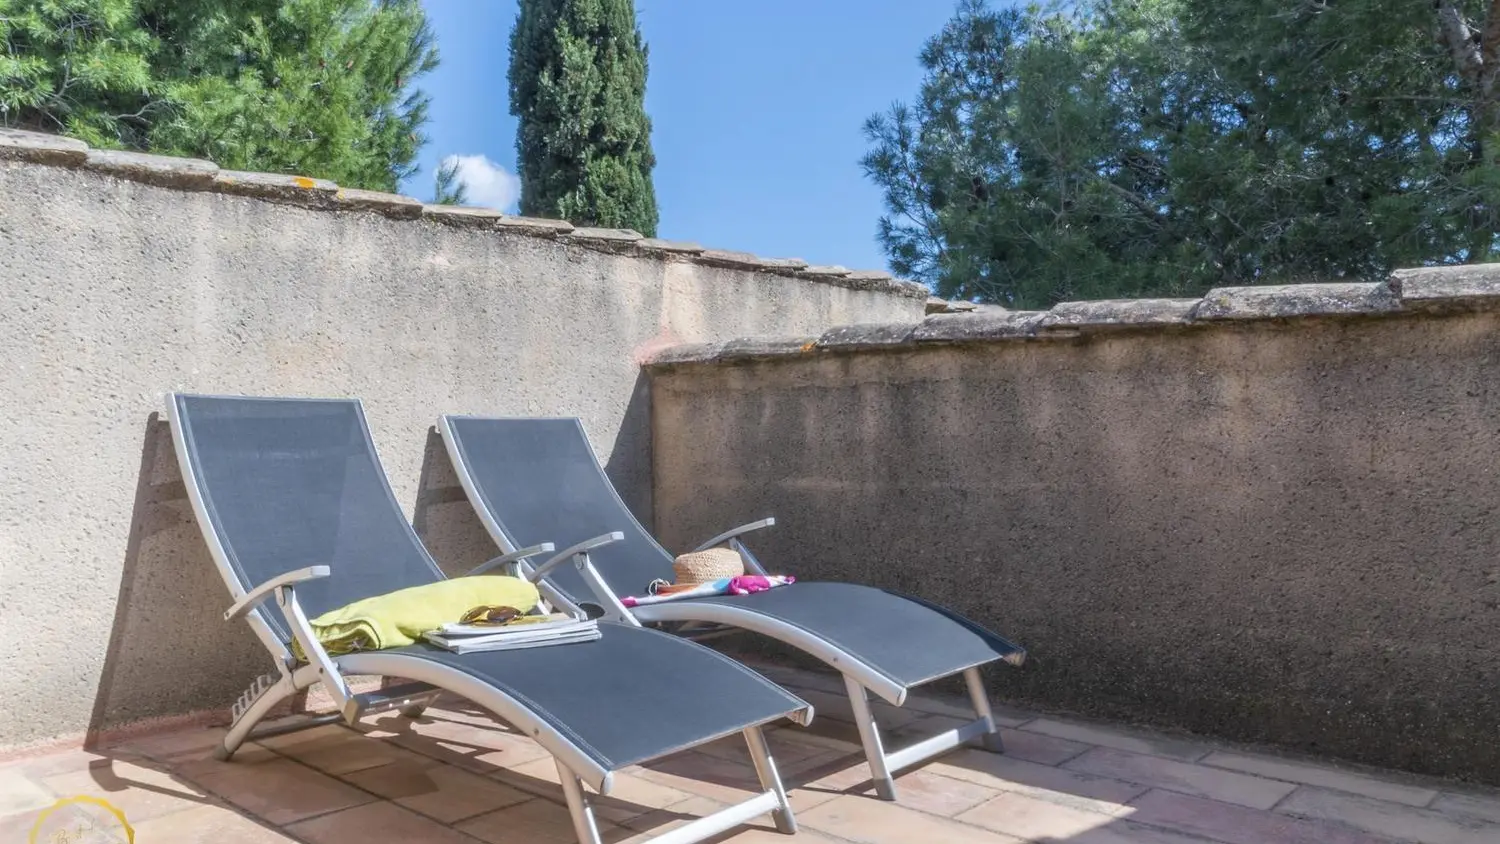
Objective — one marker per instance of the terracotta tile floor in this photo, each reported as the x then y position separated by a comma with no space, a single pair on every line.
456,776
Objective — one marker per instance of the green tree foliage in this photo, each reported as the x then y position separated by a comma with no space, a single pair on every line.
578,86
447,189
317,87
80,67
1160,147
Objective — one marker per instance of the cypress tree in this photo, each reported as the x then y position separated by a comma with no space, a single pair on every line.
578,85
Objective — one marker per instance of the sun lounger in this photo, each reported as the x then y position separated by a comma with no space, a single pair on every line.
533,478
299,516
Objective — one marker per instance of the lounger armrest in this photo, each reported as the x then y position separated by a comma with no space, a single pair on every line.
569,553
512,557
259,594
731,534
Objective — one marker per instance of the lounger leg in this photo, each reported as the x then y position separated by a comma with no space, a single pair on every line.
770,780
981,700
257,701
578,806
869,735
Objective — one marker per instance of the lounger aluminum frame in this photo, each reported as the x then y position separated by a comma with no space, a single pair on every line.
435,671
704,618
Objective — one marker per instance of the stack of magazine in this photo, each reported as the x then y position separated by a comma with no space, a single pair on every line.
535,632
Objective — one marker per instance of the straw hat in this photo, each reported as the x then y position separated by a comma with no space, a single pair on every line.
703,567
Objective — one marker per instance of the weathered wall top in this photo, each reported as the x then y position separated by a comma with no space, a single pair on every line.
1428,290
196,175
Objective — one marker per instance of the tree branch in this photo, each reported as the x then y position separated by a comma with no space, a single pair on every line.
1458,37
1490,50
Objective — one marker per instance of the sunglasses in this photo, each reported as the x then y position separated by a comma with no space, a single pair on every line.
491,615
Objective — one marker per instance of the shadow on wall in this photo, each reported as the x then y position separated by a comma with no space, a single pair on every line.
170,650
443,517
629,463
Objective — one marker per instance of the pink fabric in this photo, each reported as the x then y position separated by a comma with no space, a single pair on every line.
745,584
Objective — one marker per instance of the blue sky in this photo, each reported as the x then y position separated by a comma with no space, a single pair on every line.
756,110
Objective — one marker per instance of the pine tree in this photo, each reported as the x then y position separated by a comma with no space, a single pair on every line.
1163,147
578,86
315,87
447,188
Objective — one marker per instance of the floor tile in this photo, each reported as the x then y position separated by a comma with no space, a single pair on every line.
1307,773
377,822
835,705
208,825
703,776
869,821
1043,782
629,795
1119,831
18,793
141,793
198,763
1119,739
784,749
68,761
1039,748
442,792
958,707
344,751
479,748
935,795
1028,818
63,822
1391,819
1184,777
169,745
280,791
758,831
1479,806
1238,825
533,822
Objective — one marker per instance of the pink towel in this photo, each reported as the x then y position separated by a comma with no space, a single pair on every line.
745,584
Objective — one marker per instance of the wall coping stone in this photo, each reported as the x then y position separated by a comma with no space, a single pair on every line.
18,145
676,247
277,187
38,148
1410,292
159,170
390,204
826,270
1119,313
1294,300
866,335
605,235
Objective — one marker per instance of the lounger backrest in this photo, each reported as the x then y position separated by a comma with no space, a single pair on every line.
537,480
288,483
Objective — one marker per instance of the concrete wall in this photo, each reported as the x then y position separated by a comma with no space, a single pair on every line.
125,277
1269,516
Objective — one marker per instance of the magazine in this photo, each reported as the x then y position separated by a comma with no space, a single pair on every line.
557,629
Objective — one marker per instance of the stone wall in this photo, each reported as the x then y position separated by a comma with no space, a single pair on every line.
128,276
1269,515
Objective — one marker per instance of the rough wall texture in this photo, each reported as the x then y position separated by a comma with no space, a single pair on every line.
1272,529
118,289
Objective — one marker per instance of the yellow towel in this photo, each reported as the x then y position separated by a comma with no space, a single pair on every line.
400,618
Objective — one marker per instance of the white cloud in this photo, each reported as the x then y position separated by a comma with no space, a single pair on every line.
488,184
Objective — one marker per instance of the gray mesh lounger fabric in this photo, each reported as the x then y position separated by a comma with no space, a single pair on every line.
632,696
289,483
539,478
